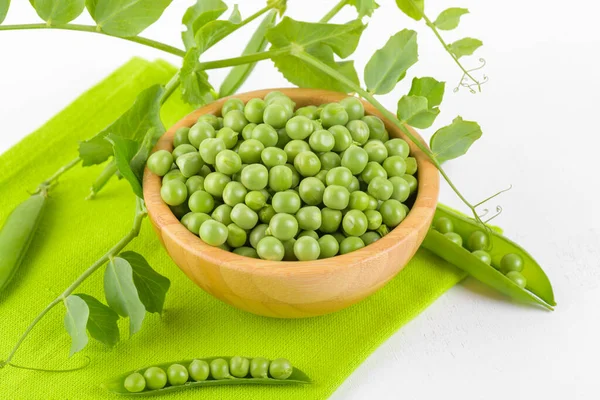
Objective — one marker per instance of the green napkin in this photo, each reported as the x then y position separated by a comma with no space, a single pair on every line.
75,232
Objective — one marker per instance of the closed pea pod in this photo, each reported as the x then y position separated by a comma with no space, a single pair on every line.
212,371
538,288
17,233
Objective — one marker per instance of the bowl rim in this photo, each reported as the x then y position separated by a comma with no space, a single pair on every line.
166,223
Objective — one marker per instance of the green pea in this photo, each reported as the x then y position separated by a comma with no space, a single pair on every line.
270,248
244,216
173,175
309,218
246,252
331,220
511,262
236,236
359,131
173,192
288,250
340,176
213,233
209,149
286,202
455,237
355,223
411,165
295,147
234,193
239,366
255,176
228,136
307,163
135,383
354,108
355,159
257,234
342,136
395,166
392,212
373,170
329,246
235,121
194,184
484,256
412,182
311,191
228,162
259,367
322,175
370,237
380,188
255,200
444,225
285,102
199,370
517,278
336,197
299,127
330,160
265,134
181,210
273,156
210,119
283,226
194,220
308,112
181,136
160,162
247,131
222,214
351,244
219,369
306,248
295,175
201,202
266,214
376,127
374,219
401,190
321,141
276,115
155,377
334,114
282,138
250,151
177,374
376,151
200,132
477,240
397,147
183,149
312,234
354,185
280,178
254,110
232,104
189,164
215,183
339,236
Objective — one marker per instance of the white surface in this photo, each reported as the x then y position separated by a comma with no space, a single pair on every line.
537,112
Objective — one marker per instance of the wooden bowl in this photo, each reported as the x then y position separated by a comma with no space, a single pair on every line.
293,289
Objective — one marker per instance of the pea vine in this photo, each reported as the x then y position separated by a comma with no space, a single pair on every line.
310,55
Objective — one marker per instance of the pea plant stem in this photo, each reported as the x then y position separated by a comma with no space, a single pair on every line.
140,214
247,59
52,180
327,17
93,29
447,48
102,179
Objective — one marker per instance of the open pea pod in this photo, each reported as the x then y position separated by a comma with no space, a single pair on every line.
538,289
116,385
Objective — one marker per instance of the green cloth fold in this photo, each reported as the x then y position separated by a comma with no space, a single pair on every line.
75,232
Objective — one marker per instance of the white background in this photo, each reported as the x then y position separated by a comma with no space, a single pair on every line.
539,117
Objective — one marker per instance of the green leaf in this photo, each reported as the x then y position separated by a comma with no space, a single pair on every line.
454,140
4,5
124,151
76,319
133,124
121,293
102,321
430,88
305,75
213,32
411,106
464,47
257,43
138,162
388,65
152,287
125,18
342,39
449,18
57,12
195,87
424,119
364,7
199,15
412,8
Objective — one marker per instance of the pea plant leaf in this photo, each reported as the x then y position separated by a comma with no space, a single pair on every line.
102,321
321,41
195,87
433,91
412,8
410,107
121,293
389,64
76,318
364,7
257,43
138,162
56,12
199,15
124,150
342,39
152,287
125,18
214,31
454,140
133,124
4,5
450,18
464,47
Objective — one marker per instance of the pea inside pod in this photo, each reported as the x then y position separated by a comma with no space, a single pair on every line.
496,260
211,371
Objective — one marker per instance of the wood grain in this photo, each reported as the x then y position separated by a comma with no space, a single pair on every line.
293,289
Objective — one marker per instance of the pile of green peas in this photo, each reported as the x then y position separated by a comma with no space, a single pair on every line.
269,181
511,264
198,370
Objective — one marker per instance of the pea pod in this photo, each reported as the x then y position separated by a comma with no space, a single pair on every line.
538,289
117,384
17,233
